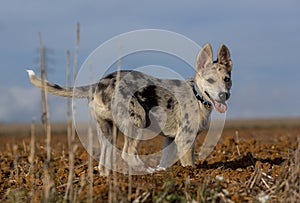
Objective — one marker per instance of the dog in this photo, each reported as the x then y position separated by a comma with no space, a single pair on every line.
183,106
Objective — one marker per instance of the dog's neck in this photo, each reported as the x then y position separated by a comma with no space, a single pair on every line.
199,96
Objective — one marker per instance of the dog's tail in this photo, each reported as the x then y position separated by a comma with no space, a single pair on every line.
80,92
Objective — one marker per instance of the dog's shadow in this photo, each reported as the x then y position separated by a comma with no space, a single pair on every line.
243,162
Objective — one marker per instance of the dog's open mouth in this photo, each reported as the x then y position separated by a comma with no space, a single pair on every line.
220,106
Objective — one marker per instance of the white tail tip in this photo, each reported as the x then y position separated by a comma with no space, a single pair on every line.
30,72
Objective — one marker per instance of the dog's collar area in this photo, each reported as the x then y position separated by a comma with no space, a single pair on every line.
206,103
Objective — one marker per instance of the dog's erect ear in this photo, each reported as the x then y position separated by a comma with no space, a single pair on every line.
204,57
224,57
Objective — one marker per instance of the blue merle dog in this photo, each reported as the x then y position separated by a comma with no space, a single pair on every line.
132,100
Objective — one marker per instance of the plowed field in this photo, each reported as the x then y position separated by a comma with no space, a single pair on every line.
254,161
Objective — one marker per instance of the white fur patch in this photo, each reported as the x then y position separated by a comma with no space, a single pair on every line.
30,73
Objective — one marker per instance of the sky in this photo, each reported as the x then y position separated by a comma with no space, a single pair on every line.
263,38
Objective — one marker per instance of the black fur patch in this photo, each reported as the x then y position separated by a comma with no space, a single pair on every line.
170,103
101,86
147,97
187,129
111,75
105,97
186,116
55,86
102,90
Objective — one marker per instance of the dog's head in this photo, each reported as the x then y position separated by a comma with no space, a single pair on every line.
213,78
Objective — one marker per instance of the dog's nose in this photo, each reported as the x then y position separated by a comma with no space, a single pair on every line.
224,96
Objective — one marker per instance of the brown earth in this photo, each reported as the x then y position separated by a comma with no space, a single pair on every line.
253,161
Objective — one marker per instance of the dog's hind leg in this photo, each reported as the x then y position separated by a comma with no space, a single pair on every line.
106,147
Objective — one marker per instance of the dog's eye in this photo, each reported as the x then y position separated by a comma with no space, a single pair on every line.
226,79
210,80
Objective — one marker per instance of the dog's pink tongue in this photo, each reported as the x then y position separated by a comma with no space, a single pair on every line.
220,107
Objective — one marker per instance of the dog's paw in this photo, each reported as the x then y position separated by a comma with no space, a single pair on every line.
142,169
103,171
160,168
150,170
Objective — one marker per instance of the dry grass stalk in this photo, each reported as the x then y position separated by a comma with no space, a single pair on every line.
45,108
142,198
90,166
187,188
112,182
76,52
287,188
32,156
259,179
254,180
90,148
15,173
129,184
24,146
237,141
110,190
68,83
115,134
48,187
69,191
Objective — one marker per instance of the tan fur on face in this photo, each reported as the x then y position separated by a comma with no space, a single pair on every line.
210,76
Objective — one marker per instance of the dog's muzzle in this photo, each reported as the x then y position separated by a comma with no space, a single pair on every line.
220,104
224,96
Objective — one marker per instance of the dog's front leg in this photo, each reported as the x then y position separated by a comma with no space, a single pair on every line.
169,153
130,155
188,158
185,146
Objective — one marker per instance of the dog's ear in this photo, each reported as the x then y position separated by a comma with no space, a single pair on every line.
224,57
204,57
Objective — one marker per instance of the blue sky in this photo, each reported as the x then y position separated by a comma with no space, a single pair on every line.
263,37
